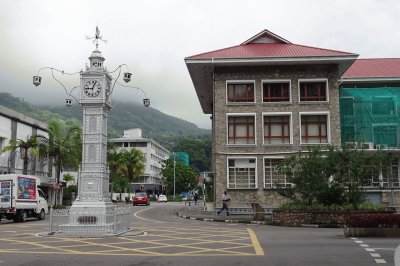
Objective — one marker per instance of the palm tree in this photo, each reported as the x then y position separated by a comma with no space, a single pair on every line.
120,184
68,178
63,146
27,148
131,163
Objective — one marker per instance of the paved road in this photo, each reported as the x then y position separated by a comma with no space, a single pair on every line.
171,240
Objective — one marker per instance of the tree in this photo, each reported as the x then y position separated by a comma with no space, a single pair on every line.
63,146
26,148
184,175
68,178
199,152
354,168
127,164
120,184
131,163
310,172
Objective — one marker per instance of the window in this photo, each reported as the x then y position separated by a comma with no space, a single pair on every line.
272,177
383,106
276,91
241,129
240,92
313,90
314,128
242,173
277,128
385,134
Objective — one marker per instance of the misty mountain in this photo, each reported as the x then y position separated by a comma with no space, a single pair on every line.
163,128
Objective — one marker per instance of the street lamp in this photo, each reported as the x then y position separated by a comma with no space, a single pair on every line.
173,153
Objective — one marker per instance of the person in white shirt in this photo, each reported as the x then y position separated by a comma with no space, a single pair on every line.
225,200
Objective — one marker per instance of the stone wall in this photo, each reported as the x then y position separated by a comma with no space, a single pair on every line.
294,219
222,151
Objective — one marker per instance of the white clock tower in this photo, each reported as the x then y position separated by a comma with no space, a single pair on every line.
93,201
93,211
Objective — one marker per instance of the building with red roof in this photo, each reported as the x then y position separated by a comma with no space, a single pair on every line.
269,98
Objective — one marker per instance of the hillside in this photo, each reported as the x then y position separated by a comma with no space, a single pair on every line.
165,129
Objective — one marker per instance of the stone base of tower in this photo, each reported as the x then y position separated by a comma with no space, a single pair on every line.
91,218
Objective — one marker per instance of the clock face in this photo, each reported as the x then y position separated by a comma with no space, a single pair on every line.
92,88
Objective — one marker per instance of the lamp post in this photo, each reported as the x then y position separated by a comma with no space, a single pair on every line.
174,173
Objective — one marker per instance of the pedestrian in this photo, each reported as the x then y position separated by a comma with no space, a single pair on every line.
196,196
225,200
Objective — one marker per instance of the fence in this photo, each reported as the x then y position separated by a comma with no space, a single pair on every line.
89,222
243,209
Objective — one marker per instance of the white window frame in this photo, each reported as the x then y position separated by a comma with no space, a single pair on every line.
255,172
264,176
384,97
239,82
227,128
290,127
276,81
328,126
313,80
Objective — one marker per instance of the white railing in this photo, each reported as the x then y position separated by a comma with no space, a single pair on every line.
109,222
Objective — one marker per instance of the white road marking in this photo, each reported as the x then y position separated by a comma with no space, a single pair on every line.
375,255
359,241
141,218
380,261
364,245
370,249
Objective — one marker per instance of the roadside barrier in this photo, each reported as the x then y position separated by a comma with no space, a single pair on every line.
89,222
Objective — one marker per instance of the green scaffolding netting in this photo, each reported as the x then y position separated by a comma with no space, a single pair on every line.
370,115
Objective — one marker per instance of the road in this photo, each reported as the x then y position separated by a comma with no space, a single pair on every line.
171,240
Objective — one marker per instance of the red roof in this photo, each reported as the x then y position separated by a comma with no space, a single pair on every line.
374,68
253,50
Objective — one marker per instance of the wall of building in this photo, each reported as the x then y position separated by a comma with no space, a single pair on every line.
222,151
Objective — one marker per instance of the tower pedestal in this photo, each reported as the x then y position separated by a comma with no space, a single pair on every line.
91,218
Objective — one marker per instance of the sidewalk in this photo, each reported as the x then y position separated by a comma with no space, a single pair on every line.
197,212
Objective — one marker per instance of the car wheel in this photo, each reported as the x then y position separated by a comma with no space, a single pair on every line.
41,215
23,216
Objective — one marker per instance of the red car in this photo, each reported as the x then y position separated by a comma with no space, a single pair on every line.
141,198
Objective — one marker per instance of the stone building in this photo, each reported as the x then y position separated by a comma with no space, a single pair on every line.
370,119
268,98
14,125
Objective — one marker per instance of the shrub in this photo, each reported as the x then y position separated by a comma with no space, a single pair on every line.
374,220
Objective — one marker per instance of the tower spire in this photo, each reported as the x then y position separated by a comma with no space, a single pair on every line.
96,38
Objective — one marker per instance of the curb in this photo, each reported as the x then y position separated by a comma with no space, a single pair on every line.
218,220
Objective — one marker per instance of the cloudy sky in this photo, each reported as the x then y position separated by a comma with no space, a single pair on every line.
154,36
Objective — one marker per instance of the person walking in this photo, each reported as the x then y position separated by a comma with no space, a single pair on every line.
225,200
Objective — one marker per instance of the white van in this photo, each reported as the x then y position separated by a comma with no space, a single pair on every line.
20,198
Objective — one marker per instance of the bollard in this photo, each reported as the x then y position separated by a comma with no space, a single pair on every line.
115,220
51,220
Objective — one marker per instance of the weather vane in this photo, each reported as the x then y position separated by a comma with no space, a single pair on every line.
96,38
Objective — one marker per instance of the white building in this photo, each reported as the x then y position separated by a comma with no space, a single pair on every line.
14,125
153,153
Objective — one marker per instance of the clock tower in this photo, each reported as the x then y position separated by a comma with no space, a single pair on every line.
93,183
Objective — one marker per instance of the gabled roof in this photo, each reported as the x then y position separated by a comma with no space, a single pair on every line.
374,69
264,48
268,45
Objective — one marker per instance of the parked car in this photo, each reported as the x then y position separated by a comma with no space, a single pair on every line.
141,198
162,198
186,196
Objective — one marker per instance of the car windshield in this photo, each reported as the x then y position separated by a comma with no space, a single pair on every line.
141,194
